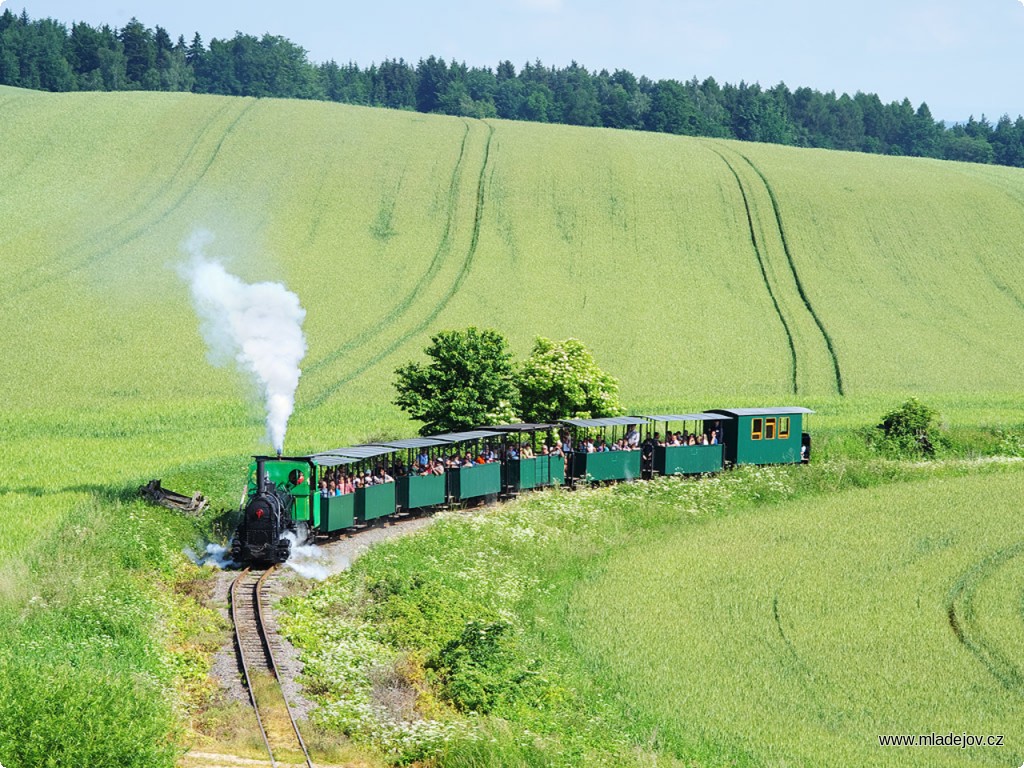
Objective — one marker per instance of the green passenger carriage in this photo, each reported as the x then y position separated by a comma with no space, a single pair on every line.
527,473
336,512
466,483
419,491
689,459
375,501
765,435
606,465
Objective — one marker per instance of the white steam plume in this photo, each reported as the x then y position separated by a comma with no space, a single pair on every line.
312,562
258,325
213,554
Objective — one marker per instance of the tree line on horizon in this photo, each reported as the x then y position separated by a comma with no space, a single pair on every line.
44,55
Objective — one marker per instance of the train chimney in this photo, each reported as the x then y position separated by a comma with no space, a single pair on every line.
261,483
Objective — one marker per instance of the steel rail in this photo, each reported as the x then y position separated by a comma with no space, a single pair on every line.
273,664
242,656
255,620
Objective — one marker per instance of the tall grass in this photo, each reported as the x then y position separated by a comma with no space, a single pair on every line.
589,666
803,632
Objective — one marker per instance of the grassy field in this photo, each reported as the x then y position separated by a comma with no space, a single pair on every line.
694,269
701,273
798,635
781,616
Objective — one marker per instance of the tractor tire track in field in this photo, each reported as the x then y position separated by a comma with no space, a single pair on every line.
764,272
440,256
960,614
97,239
796,277
99,243
429,318
993,180
804,673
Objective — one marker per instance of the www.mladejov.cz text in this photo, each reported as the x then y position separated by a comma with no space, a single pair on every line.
961,740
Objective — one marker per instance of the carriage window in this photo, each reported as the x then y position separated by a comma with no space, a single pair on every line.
756,428
784,428
769,429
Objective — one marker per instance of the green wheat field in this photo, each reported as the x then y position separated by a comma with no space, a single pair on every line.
700,272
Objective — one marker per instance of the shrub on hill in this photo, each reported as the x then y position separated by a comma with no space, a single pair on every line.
483,668
908,429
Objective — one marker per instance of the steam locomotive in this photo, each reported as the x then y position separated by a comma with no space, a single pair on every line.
284,504
268,526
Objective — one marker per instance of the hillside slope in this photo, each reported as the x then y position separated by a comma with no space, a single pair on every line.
693,268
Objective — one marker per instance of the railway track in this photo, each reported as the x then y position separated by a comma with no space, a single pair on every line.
256,657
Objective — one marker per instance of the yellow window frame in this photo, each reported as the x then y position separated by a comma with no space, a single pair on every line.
756,428
769,429
784,428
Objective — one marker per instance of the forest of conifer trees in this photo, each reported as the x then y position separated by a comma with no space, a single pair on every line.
45,55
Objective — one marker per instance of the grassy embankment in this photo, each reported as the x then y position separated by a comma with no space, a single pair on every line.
697,277
804,633
768,616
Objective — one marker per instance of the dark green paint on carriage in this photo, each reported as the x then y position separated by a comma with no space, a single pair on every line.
687,459
520,474
555,470
418,491
608,465
763,435
374,502
337,513
547,471
538,472
473,482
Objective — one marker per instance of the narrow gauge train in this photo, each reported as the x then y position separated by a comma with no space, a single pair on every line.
283,503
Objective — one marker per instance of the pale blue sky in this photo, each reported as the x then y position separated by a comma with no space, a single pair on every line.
963,57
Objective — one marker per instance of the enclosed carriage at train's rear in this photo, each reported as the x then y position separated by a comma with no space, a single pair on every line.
766,435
